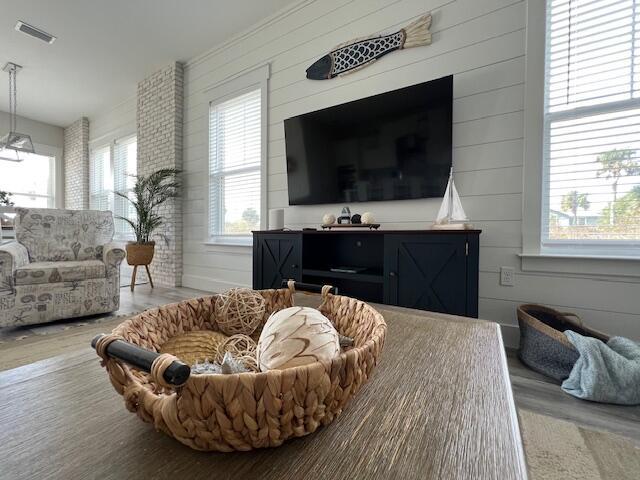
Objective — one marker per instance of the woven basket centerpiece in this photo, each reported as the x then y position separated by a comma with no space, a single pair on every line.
257,409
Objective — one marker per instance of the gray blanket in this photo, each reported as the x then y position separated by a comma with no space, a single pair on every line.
605,372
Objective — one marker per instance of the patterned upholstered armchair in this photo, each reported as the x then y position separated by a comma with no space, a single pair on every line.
62,265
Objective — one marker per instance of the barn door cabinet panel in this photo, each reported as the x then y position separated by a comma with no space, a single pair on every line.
428,273
276,258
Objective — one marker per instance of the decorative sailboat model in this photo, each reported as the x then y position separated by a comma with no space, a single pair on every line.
451,215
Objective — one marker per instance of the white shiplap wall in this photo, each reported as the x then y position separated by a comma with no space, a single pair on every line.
481,42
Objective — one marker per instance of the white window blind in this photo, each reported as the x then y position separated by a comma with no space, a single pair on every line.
100,179
591,198
124,169
235,143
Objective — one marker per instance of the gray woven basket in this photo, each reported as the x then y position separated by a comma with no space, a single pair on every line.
543,345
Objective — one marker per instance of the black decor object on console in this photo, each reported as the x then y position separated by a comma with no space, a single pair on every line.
345,216
424,269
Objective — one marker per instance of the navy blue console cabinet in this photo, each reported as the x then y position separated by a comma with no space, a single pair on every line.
276,257
425,269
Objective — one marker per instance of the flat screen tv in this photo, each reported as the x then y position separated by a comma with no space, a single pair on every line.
392,146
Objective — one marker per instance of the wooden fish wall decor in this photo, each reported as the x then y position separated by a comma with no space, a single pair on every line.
356,54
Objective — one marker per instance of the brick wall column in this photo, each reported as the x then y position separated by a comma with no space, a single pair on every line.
159,120
76,165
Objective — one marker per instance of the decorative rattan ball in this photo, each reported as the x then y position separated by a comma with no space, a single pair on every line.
243,349
239,310
250,362
238,345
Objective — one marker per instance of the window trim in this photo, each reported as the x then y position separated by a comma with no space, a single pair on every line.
234,86
533,128
532,257
58,171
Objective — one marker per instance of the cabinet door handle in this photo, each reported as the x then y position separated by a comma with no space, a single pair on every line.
392,274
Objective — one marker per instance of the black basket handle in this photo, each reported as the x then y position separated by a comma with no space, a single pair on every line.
176,374
308,287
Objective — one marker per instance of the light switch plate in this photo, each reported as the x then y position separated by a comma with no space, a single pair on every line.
507,276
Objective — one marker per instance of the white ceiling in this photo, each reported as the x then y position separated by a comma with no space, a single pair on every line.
104,47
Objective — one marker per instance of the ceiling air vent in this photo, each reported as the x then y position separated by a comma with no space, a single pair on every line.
34,32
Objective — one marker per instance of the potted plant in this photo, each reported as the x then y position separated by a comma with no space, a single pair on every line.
148,194
5,199
7,214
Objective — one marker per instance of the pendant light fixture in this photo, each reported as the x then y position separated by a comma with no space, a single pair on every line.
14,143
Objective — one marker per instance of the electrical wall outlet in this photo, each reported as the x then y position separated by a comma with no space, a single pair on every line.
507,276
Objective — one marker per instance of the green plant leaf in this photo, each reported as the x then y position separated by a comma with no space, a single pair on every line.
149,193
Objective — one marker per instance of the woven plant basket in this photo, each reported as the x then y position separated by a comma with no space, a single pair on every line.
247,410
543,345
140,253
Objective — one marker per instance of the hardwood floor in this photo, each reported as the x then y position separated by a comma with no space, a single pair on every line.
146,297
130,303
535,392
532,391
24,345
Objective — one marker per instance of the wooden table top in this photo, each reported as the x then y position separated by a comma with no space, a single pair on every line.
439,405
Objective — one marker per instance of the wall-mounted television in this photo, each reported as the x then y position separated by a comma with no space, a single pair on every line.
392,146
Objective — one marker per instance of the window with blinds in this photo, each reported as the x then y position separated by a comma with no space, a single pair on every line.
30,182
591,202
124,169
235,144
111,169
100,179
